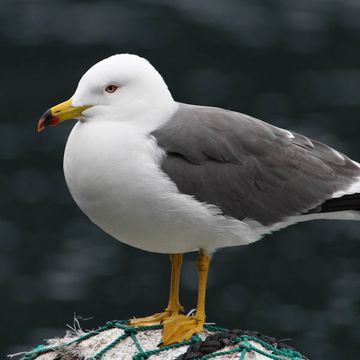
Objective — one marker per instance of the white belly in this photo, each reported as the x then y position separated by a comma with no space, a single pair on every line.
113,175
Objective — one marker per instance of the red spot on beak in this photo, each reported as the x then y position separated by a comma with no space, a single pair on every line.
54,121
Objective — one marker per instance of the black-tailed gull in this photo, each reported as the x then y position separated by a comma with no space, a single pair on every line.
172,178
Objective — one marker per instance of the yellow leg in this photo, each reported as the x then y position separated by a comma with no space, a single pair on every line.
174,306
177,329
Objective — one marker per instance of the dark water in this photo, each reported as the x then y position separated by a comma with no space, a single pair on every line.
293,63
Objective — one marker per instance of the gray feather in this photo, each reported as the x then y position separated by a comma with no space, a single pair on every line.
248,168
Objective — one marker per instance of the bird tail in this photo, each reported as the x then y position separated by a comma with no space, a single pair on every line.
343,203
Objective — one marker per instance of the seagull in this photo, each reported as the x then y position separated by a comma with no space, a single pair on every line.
173,178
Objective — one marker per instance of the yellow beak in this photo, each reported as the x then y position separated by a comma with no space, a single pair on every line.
59,113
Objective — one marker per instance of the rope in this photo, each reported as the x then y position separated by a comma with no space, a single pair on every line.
217,341
198,349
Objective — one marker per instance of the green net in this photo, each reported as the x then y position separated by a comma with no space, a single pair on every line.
240,345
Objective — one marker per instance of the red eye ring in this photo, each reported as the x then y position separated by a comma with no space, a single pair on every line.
111,88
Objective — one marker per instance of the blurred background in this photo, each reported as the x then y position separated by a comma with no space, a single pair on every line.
293,63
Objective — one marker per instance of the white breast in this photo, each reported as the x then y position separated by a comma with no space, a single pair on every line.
112,171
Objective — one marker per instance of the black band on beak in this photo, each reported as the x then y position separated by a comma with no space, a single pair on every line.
47,119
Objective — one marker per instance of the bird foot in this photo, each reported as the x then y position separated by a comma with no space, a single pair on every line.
179,328
155,319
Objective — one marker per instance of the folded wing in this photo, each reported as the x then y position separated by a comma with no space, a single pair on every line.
253,170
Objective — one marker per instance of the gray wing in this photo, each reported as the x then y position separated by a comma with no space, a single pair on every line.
248,168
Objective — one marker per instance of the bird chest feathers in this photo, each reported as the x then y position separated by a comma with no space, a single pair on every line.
113,176
107,163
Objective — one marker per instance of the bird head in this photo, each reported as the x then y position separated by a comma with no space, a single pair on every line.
118,88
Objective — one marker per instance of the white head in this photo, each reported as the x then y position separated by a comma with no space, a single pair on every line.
116,89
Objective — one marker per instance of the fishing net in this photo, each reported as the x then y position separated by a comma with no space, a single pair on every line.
118,340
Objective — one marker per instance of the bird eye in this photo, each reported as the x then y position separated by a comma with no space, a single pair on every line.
111,88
